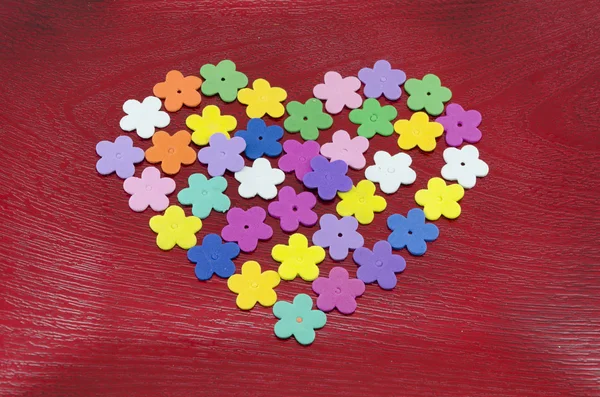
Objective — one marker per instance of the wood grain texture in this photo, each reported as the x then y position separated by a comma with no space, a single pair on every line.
505,303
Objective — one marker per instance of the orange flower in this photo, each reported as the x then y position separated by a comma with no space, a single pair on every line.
171,151
177,91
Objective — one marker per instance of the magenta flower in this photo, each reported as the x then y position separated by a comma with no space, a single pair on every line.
294,209
338,92
298,156
246,227
460,125
149,191
338,291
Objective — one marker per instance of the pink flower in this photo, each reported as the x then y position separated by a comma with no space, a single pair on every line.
294,209
338,92
149,190
298,156
346,149
338,291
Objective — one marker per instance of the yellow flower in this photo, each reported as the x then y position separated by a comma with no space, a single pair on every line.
439,199
263,99
418,131
297,258
175,228
361,202
209,123
253,286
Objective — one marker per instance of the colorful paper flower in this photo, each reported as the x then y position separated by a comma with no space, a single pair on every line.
149,191
361,202
213,257
260,139
338,291
298,319
246,227
411,232
298,259
339,235
223,154
253,286
174,228
379,265
211,122
427,94
177,91
263,99
144,117
222,79
171,151
460,125
205,195
351,151
118,156
294,209
464,166
374,118
338,92
260,179
327,177
418,131
298,156
439,199
391,171
382,79
307,118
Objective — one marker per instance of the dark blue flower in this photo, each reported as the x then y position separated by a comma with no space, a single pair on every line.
260,139
213,257
411,232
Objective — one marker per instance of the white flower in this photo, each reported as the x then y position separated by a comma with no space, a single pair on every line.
463,165
259,179
391,171
144,117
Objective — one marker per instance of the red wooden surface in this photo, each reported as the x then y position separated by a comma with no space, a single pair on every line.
504,303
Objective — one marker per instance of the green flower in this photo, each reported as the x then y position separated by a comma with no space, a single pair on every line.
374,118
308,118
298,319
205,195
222,79
427,94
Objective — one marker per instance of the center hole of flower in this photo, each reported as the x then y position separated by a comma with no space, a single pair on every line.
338,290
294,208
378,263
416,132
298,319
260,138
222,154
463,164
439,198
328,177
148,187
410,232
171,150
246,227
429,93
174,226
340,234
459,124
179,91
361,200
373,117
345,150
391,170
305,118
222,78
254,284
300,259
302,159
382,78
263,98
204,192
214,256
118,155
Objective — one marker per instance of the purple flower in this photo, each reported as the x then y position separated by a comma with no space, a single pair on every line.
223,154
379,265
460,125
382,79
328,177
298,156
339,235
338,291
294,209
246,227
119,156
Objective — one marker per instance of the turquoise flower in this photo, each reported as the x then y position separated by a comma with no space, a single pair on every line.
298,319
205,195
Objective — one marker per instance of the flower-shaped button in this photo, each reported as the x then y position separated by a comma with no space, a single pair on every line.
339,235
298,259
149,191
338,92
361,202
464,166
260,139
348,150
338,291
439,199
213,257
307,118
328,178
174,228
260,179
205,195
223,154
222,79
263,99
211,122
118,156
379,265
294,209
460,125
391,171
298,319
253,286
411,232
171,151
418,131
427,94
178,90
298,156
246,227
374,119
144,117
382,79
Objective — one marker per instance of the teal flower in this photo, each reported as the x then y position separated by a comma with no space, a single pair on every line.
298,319
222,79
205,195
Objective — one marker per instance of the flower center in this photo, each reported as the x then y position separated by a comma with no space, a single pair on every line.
463,164
305,118
298,319
263,98
373,117
204,192
174,226
148,187
171,150
409,232
382,78
338,290
344,150
428,93
416,132
302,159
438,199
362,200
179,91
254,284
391,170
328,177
260,138
222,154
459,124
118,155
340,234
246,227
294,208
300,258
222,78
378,263
214,256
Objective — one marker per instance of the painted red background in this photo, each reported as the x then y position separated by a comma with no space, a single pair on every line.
505,303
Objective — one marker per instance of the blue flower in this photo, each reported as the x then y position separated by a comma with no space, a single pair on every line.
261,140
213,257
411,232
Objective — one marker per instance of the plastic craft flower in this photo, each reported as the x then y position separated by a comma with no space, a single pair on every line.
327,177
294,209
298,156
246,227
222,79
174,228
253,286
213,257
463,165
338,291
418,131
379,265
298,259
171,151
149,191
223,154
411,232
339,235
427,94
118,156
263,99
391,171
260,179
348,150
382,79
338,92
177,91
307,118
205,195
260,139
439,199
374,118
209,123
361,202
460,125
298,319
144,117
